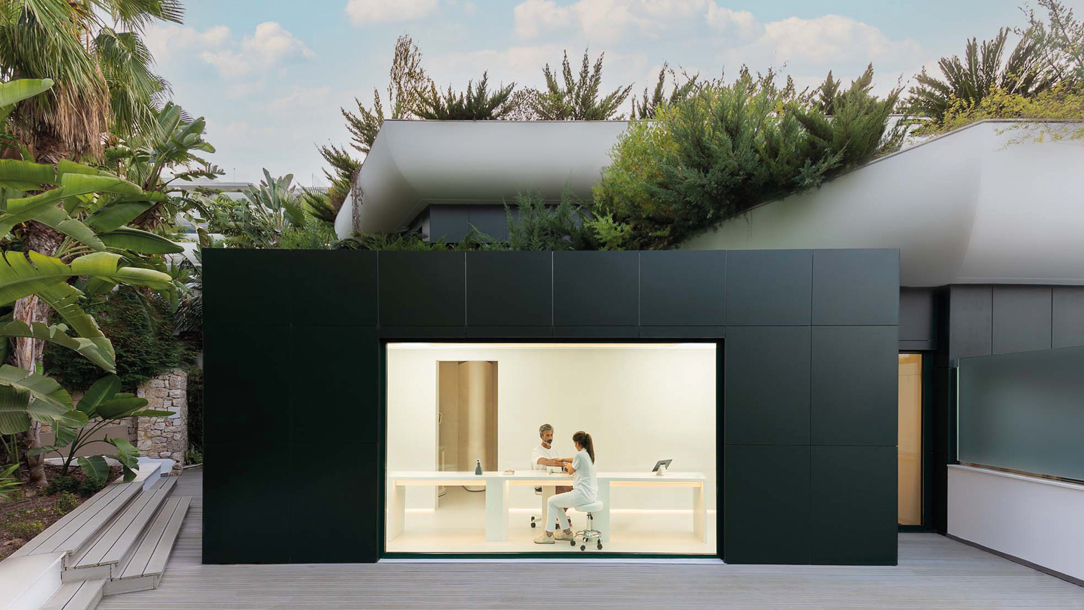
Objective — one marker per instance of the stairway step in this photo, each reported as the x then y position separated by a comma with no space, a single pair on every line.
83,595
74,533
118,541
147,565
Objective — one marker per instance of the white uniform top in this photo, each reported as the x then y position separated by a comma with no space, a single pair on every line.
542,452
584,479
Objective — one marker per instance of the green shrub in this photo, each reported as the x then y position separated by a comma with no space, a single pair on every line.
194,393
140,326
727,148
62,484
89,487
192,456
542,227
25,529
65,503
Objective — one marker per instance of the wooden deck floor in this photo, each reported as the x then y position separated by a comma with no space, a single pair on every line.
934,572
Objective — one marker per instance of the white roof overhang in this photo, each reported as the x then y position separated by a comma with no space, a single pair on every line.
414,164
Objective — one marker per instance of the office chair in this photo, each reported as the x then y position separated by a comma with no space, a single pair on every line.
590,533
536,520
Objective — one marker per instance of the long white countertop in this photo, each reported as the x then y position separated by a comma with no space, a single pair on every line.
532,476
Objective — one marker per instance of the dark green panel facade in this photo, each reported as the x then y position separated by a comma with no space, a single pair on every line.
853,506
855,375
596,288
683,288
509,288
422,289
767,385
769,287
270,378
856,287
766,504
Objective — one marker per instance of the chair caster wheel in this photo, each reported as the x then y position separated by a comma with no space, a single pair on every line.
572,543
533,525
583,547
600,546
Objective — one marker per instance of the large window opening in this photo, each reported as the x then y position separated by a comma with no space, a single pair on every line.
455,408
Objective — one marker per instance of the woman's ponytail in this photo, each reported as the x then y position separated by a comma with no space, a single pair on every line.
584,440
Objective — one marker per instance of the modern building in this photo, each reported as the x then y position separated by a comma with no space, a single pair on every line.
895,350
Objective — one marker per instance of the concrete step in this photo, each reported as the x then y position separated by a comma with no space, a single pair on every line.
146,566
116,544
83,595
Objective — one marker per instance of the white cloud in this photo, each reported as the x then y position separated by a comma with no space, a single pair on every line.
266,48
534,16
365,12
832,38
166,40
300,99
741,25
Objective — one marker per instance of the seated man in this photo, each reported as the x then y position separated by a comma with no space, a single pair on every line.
545,455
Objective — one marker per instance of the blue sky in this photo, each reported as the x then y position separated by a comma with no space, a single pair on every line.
270,75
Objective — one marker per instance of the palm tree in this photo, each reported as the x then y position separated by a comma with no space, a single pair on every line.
94,52
982,71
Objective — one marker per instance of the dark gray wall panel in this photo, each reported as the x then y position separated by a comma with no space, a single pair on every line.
766,504
509,288
918,317
509,332
1068,318
853,505
767,385
246,369
1022,317
334,288
231,278
355,510
448,222
595,332
422,289
769,287
682,332
490,220
856,287
595,288
971,312
855,376
683,288
348,378
238,526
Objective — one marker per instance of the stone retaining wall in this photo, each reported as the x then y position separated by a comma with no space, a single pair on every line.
165,437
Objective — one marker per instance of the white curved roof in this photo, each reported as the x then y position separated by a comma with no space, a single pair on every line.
414,164
969,207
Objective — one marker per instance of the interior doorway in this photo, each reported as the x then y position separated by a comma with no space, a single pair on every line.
909,445
466,417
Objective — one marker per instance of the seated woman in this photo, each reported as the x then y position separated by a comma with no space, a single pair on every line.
584,490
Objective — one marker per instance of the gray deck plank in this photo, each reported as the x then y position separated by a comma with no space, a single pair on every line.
82,530
934,572
138,562
98,550
130,537
31,548
157,563
87,597
63,595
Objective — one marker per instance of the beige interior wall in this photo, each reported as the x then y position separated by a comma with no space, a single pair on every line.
477,416
641,403
910,439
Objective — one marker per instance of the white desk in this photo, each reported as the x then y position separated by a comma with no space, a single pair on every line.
497,485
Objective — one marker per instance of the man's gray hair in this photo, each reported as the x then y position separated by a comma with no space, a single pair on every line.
544,428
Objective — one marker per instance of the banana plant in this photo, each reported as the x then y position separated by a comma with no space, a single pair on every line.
90,208
102,405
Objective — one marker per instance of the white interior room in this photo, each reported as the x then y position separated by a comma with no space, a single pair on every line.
451,406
